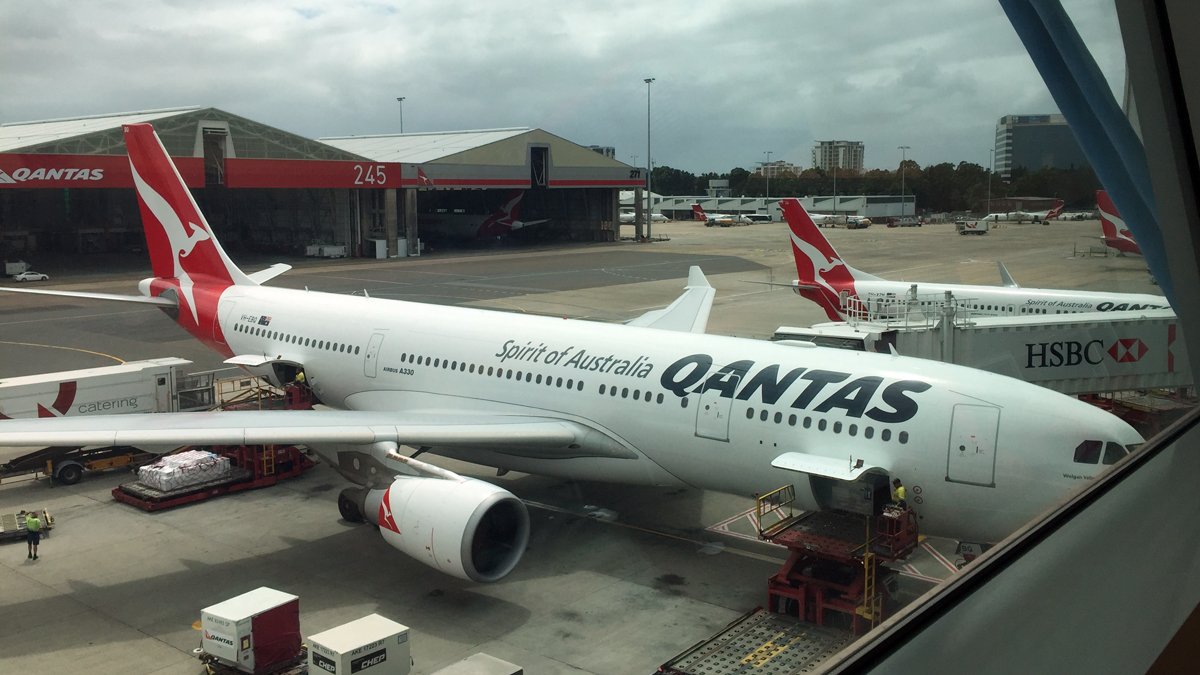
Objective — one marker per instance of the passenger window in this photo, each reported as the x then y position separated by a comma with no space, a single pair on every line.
660,398
820,425
762,415
1088,452
1113,452
749,413
602,387
778,417
902,437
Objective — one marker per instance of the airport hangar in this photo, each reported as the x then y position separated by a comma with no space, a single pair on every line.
65,185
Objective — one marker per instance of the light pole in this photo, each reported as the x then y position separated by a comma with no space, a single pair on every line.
835,201
767,173
903,150
649,187
991,167
400,100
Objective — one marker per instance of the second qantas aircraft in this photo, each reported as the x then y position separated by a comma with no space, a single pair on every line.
846,293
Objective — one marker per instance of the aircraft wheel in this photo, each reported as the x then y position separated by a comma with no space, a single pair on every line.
348,506
70,474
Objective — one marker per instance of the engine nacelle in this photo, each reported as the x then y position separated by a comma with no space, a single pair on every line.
466,528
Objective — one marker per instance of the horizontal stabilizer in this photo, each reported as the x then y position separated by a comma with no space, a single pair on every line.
829,467
689,312
1005,277
161,302
263,276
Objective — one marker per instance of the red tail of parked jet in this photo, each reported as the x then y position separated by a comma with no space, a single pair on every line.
1116,235
822,275
190,268
699,213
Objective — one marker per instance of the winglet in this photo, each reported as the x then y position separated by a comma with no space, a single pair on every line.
1005,277
689,313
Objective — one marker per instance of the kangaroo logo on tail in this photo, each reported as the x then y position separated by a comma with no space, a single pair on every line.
1116,234
185,257
699,213
823,276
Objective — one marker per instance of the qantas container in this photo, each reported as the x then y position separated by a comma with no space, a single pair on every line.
256,632
372,645
133,387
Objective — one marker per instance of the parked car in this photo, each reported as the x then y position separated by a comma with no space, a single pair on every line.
30,275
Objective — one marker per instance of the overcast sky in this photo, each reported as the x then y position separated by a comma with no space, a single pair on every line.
733,79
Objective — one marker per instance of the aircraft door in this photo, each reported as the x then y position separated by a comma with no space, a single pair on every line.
971,455
371,360
712,413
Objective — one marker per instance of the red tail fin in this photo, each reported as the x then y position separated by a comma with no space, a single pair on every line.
822,276
187,260
1056,211
179,239
1116,234
699,213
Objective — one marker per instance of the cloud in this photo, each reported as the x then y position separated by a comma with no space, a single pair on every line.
733,80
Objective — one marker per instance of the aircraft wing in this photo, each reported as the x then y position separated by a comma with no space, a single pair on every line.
689,312
266,427
830,467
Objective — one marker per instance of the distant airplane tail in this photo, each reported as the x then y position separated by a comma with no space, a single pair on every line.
1056,211
506,218
1116,234
699,213
189,265
822,276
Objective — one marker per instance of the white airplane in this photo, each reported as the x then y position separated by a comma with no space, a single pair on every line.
631,216
847,293
653,402
1116,235
722,219
1031,216
502,222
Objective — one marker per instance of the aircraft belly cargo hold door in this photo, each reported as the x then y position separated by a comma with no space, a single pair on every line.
971,455
712,415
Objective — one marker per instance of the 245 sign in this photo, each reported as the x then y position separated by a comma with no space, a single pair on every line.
370,175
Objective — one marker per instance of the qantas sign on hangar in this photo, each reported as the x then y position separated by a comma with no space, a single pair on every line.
265,189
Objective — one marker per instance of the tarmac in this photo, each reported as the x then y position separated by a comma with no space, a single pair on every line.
616,579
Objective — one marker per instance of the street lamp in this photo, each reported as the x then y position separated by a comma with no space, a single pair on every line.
400,100
991,168
767,173
649,188
903,150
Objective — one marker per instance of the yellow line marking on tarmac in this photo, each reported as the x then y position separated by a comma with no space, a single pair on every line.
69,349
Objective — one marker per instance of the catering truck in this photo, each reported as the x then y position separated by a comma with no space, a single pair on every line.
153,385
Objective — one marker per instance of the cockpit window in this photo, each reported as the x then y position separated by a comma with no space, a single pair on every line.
1088,452
1113,452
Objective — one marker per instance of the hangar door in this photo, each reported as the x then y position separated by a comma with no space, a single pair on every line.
971,455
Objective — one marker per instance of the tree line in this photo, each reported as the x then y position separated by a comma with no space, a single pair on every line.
938,188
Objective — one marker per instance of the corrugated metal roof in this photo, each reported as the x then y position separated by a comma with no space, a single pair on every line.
420,148
17,135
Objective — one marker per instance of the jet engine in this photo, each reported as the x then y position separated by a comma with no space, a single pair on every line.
465,528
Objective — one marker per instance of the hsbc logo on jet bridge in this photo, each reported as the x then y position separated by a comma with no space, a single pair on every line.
26,174
1074,353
